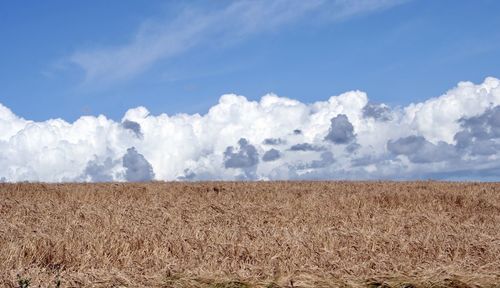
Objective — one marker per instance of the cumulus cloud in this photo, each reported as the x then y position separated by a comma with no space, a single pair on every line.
99,171
484,126
326,158
306,147
188,175
438,118
245,157
271,155
137,168
133,126
444,137
419,150
274,141
341,130
379,112
352,147
480,134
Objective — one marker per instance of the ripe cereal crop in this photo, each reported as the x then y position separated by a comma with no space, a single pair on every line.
250,234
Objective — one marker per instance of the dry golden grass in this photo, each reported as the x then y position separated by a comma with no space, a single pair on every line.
266,234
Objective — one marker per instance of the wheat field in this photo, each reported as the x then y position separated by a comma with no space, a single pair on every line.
250,234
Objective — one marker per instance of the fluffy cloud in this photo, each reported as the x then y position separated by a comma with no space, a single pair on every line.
137,168
245,157
480,134
306,147
453,136
271,155
419,150
341,130
326,158
380,112
133,126
274,141
99,172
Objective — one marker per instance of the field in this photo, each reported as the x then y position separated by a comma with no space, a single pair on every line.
250,234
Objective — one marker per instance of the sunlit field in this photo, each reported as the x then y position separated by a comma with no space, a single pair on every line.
250,234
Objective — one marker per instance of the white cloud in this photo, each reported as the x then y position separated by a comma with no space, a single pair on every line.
414,141
437,118
157,40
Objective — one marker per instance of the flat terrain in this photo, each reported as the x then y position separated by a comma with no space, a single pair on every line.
246,234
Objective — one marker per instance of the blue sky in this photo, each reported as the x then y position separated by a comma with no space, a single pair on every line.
397,51
249,89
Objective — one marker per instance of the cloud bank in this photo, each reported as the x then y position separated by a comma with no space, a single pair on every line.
453,136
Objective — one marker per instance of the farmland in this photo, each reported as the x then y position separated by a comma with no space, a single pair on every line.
246,234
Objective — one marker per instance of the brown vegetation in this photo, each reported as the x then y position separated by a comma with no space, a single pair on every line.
268,234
